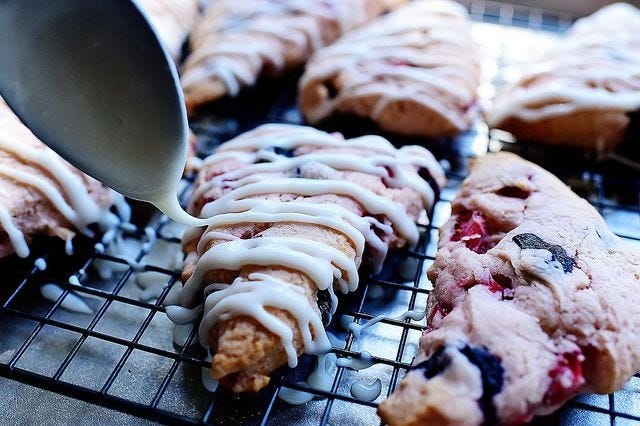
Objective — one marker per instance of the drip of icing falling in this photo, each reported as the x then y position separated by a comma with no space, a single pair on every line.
357,329
208,382
165,255
181,333
68,246
366,392
183,316
40,264
321,379
71,302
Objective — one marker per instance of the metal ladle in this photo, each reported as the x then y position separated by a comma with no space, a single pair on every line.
92,81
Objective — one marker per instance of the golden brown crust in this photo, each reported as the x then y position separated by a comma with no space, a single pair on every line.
598,130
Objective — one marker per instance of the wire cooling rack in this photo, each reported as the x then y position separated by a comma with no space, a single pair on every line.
120,353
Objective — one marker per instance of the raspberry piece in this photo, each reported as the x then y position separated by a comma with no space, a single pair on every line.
438,312
472,229
566,378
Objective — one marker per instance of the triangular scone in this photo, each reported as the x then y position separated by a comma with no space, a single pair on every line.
535,300
173,19
235,42
43,194
296,212
582,91
414,71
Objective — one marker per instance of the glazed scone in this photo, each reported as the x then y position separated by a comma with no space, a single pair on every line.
238,41
42,194
295,211
535,300
414,71
173,19
583,90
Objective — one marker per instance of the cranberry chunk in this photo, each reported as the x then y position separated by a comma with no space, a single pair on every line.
472,229
438,312
566,378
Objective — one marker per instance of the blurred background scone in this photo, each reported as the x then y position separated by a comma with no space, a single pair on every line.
582,92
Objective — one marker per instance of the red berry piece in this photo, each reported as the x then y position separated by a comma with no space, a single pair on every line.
566,378
471,228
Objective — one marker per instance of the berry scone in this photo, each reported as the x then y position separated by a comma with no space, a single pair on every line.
535,300
414,71
173,19
582,92
294,212
44,195
237,41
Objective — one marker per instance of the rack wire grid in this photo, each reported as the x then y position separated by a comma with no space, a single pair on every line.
120,353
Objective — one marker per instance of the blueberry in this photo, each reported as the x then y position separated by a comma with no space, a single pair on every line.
284,152
435,364
532,241
492,374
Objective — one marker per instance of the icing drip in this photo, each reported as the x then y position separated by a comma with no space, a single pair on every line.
402,56
366,392
15,235
264,169
321,378
40,264
323,264
596,66
71,302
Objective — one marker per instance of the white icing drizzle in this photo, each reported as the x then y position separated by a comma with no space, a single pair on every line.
40,264
71,302
15,235
62,186
405,55
209,383
321,378
357,329
363,362
251,297
366,392
68,246
236,38
181,333
262,172
596,66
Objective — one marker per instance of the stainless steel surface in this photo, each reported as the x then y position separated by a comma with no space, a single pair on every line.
92,81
